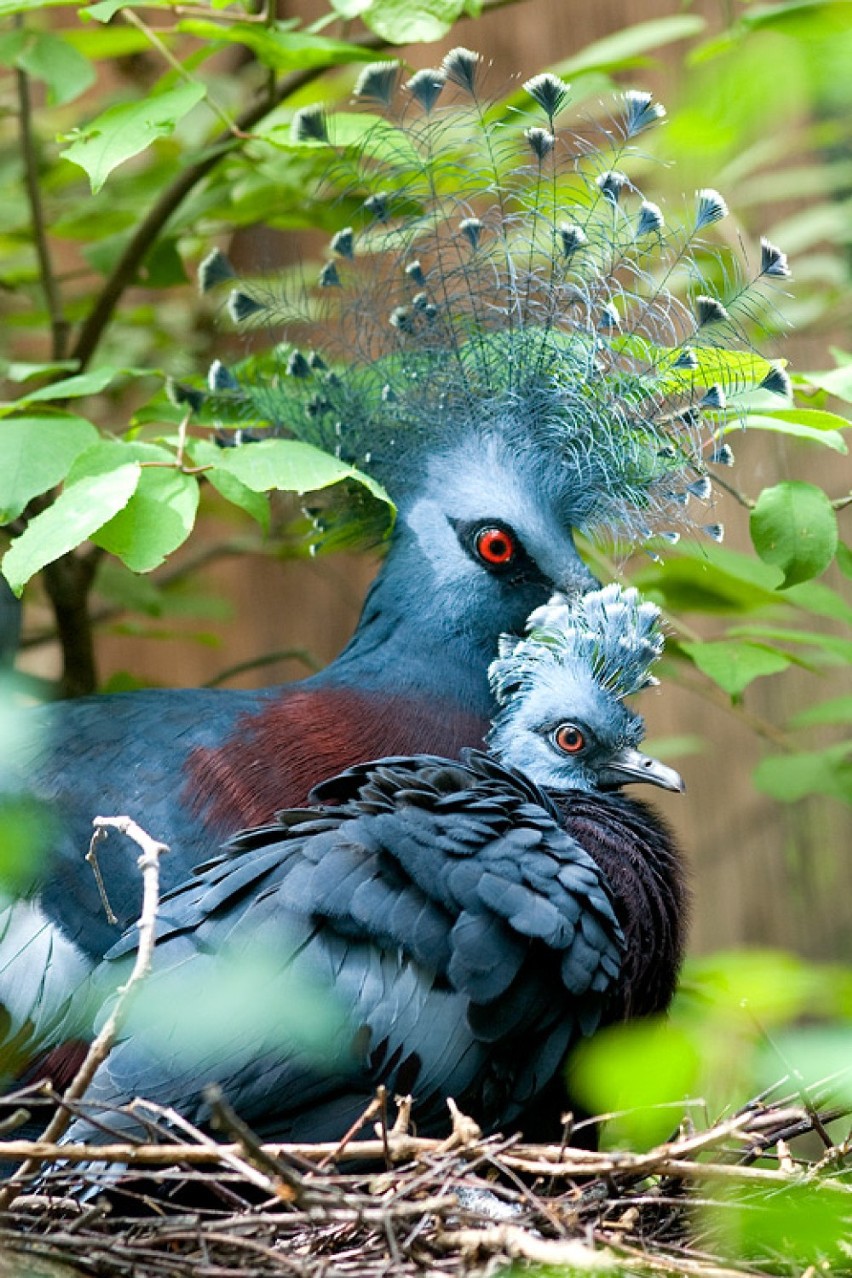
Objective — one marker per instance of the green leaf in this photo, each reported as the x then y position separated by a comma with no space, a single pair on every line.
204,453
36,453
837,710
8,7
844,559
791,777
159,516
279,47
816,1054
409,21
23,370
737,371
816,597
118,585
91,383
637,1069
686,584
57,63
123,131
803,423
836,381
173,1015
794,528
807,1225
628,46
734,664
834,645
104,10
290,466
27,833
95,490
772,987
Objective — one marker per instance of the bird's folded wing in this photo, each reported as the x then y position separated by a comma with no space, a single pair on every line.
420,946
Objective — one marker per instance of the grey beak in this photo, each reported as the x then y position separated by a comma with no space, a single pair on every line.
632,765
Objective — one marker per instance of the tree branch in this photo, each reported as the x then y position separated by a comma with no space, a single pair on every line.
53,297
67,581
146,233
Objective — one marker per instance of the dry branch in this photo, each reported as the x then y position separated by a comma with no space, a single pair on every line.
149,866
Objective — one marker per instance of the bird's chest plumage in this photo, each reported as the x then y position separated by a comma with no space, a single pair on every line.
277,755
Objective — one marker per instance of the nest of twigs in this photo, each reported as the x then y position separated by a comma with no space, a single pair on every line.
185,1204
399,1205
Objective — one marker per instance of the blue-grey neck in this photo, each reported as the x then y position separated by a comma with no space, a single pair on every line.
434,615
412,638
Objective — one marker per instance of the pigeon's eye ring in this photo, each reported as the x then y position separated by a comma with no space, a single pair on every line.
495,546
569,739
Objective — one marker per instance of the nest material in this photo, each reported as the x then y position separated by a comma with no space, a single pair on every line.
463,1205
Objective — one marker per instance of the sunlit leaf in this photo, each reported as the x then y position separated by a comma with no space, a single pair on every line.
123,131
35,454
836,381
279,47
90,383
290,466
255,504
158,517
408,21
804,423
95,490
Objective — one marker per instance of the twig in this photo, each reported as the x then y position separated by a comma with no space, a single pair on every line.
149,865
520,1244
53,297
267,659
747,502
677,1264
370,1112
670,1159
712,693
285,1182
98,835
134,20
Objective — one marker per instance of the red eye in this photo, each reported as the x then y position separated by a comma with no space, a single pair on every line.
495,546
569,739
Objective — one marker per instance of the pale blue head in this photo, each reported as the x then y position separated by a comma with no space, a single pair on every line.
562,718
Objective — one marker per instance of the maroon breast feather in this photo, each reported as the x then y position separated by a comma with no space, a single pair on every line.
275,757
